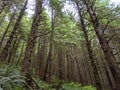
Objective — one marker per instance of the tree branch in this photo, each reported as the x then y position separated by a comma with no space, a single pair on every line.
43,34
108,24
111,37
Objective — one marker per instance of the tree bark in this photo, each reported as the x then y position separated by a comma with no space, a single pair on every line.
21,53
32,38
5,50
88,45
49,59
104,45
30,47
6,30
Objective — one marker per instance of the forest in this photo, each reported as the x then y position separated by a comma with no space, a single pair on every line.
59,45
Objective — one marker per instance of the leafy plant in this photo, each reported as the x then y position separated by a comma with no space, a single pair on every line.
10,79
44,86
12,82
76,86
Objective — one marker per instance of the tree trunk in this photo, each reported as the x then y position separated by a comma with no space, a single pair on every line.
21,53
32,38
78,64
3,17
49,59
6,30
88,45
104,45
13,50
41,54
30,47
5,50
60,64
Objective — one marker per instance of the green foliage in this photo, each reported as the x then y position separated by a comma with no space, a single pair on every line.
24,27
57,84
108,13
45,20
55,4
71,86
7,70
76,86
13,82
44,86
88,88
10,79
67,30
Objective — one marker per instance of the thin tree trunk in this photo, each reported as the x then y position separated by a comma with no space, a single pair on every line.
3,17
68,66
60,63
88,45
49,59
6,30
41,55
5,50
13,50
77,61
2,8
21,53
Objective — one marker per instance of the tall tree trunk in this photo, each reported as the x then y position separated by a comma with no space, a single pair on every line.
6,30
49,59
77,61
13,50
41,55
2,6
13,59
32,38
60,63
5,50
21,53
68,65
30,47
2,19
88,45
104,45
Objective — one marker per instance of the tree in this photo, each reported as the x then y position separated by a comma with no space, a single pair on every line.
88,45
32,38
5,50
104,44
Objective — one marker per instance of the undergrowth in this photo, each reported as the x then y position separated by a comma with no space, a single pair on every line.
11,79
